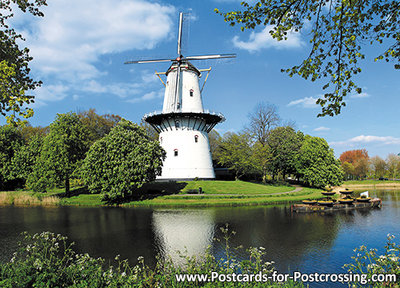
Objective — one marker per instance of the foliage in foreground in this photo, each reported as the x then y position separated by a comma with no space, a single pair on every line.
48,260
339,30
368,262
14,69
121,162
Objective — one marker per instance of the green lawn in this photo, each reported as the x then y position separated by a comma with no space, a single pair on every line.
369,182
219,200
169,194
234,187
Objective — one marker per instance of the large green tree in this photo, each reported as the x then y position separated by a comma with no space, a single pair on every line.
61,154
121,162
284,144
338,32
97,126
235,153
10,142
14,70
316,164
25,158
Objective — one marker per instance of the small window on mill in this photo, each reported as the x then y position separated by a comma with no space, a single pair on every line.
196,138
191,92
175,152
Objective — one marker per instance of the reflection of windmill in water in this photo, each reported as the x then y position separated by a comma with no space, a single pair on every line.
183,124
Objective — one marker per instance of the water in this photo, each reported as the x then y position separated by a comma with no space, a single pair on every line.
296,242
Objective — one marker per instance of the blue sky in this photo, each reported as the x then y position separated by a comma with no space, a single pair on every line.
79,48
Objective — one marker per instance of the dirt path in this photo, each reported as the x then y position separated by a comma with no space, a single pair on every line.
297,189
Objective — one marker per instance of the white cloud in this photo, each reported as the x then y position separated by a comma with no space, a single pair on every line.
68,41
363,139
263,39
50,93
307,102
149,77
322,128
361,95
122,90
148,96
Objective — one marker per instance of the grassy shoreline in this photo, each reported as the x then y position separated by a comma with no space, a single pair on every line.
374,184
216,193
180,194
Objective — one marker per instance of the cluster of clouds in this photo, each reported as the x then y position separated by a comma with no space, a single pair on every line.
368,139
69,41
263,40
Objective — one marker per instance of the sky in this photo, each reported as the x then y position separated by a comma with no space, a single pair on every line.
79,49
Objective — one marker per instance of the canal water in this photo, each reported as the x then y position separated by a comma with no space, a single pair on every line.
295,242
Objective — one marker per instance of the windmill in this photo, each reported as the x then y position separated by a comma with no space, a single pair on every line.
183,125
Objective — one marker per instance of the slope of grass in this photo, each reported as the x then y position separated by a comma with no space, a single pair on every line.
206,200
171,194
370,182
235,187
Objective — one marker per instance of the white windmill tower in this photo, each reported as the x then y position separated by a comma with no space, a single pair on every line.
183,124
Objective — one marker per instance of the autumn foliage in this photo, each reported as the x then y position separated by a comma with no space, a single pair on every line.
352,156
355,163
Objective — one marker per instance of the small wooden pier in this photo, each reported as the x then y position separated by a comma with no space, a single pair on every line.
307,208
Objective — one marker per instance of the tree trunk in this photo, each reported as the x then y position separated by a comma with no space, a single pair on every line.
67,185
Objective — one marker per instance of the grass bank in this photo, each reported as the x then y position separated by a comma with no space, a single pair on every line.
371,184
173,194
227,200
22,198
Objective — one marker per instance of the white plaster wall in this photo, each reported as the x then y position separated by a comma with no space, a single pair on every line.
193,103
189,80
193,160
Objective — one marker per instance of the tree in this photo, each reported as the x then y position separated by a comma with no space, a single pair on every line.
348,170
284,144
261,159
25,158
263,119
121,162
10,142
352,156
359,161
361,168
62,152
14,70
28,132
316,163
236,154
338,29
150,131
393,165
378,166
215,141
97,126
